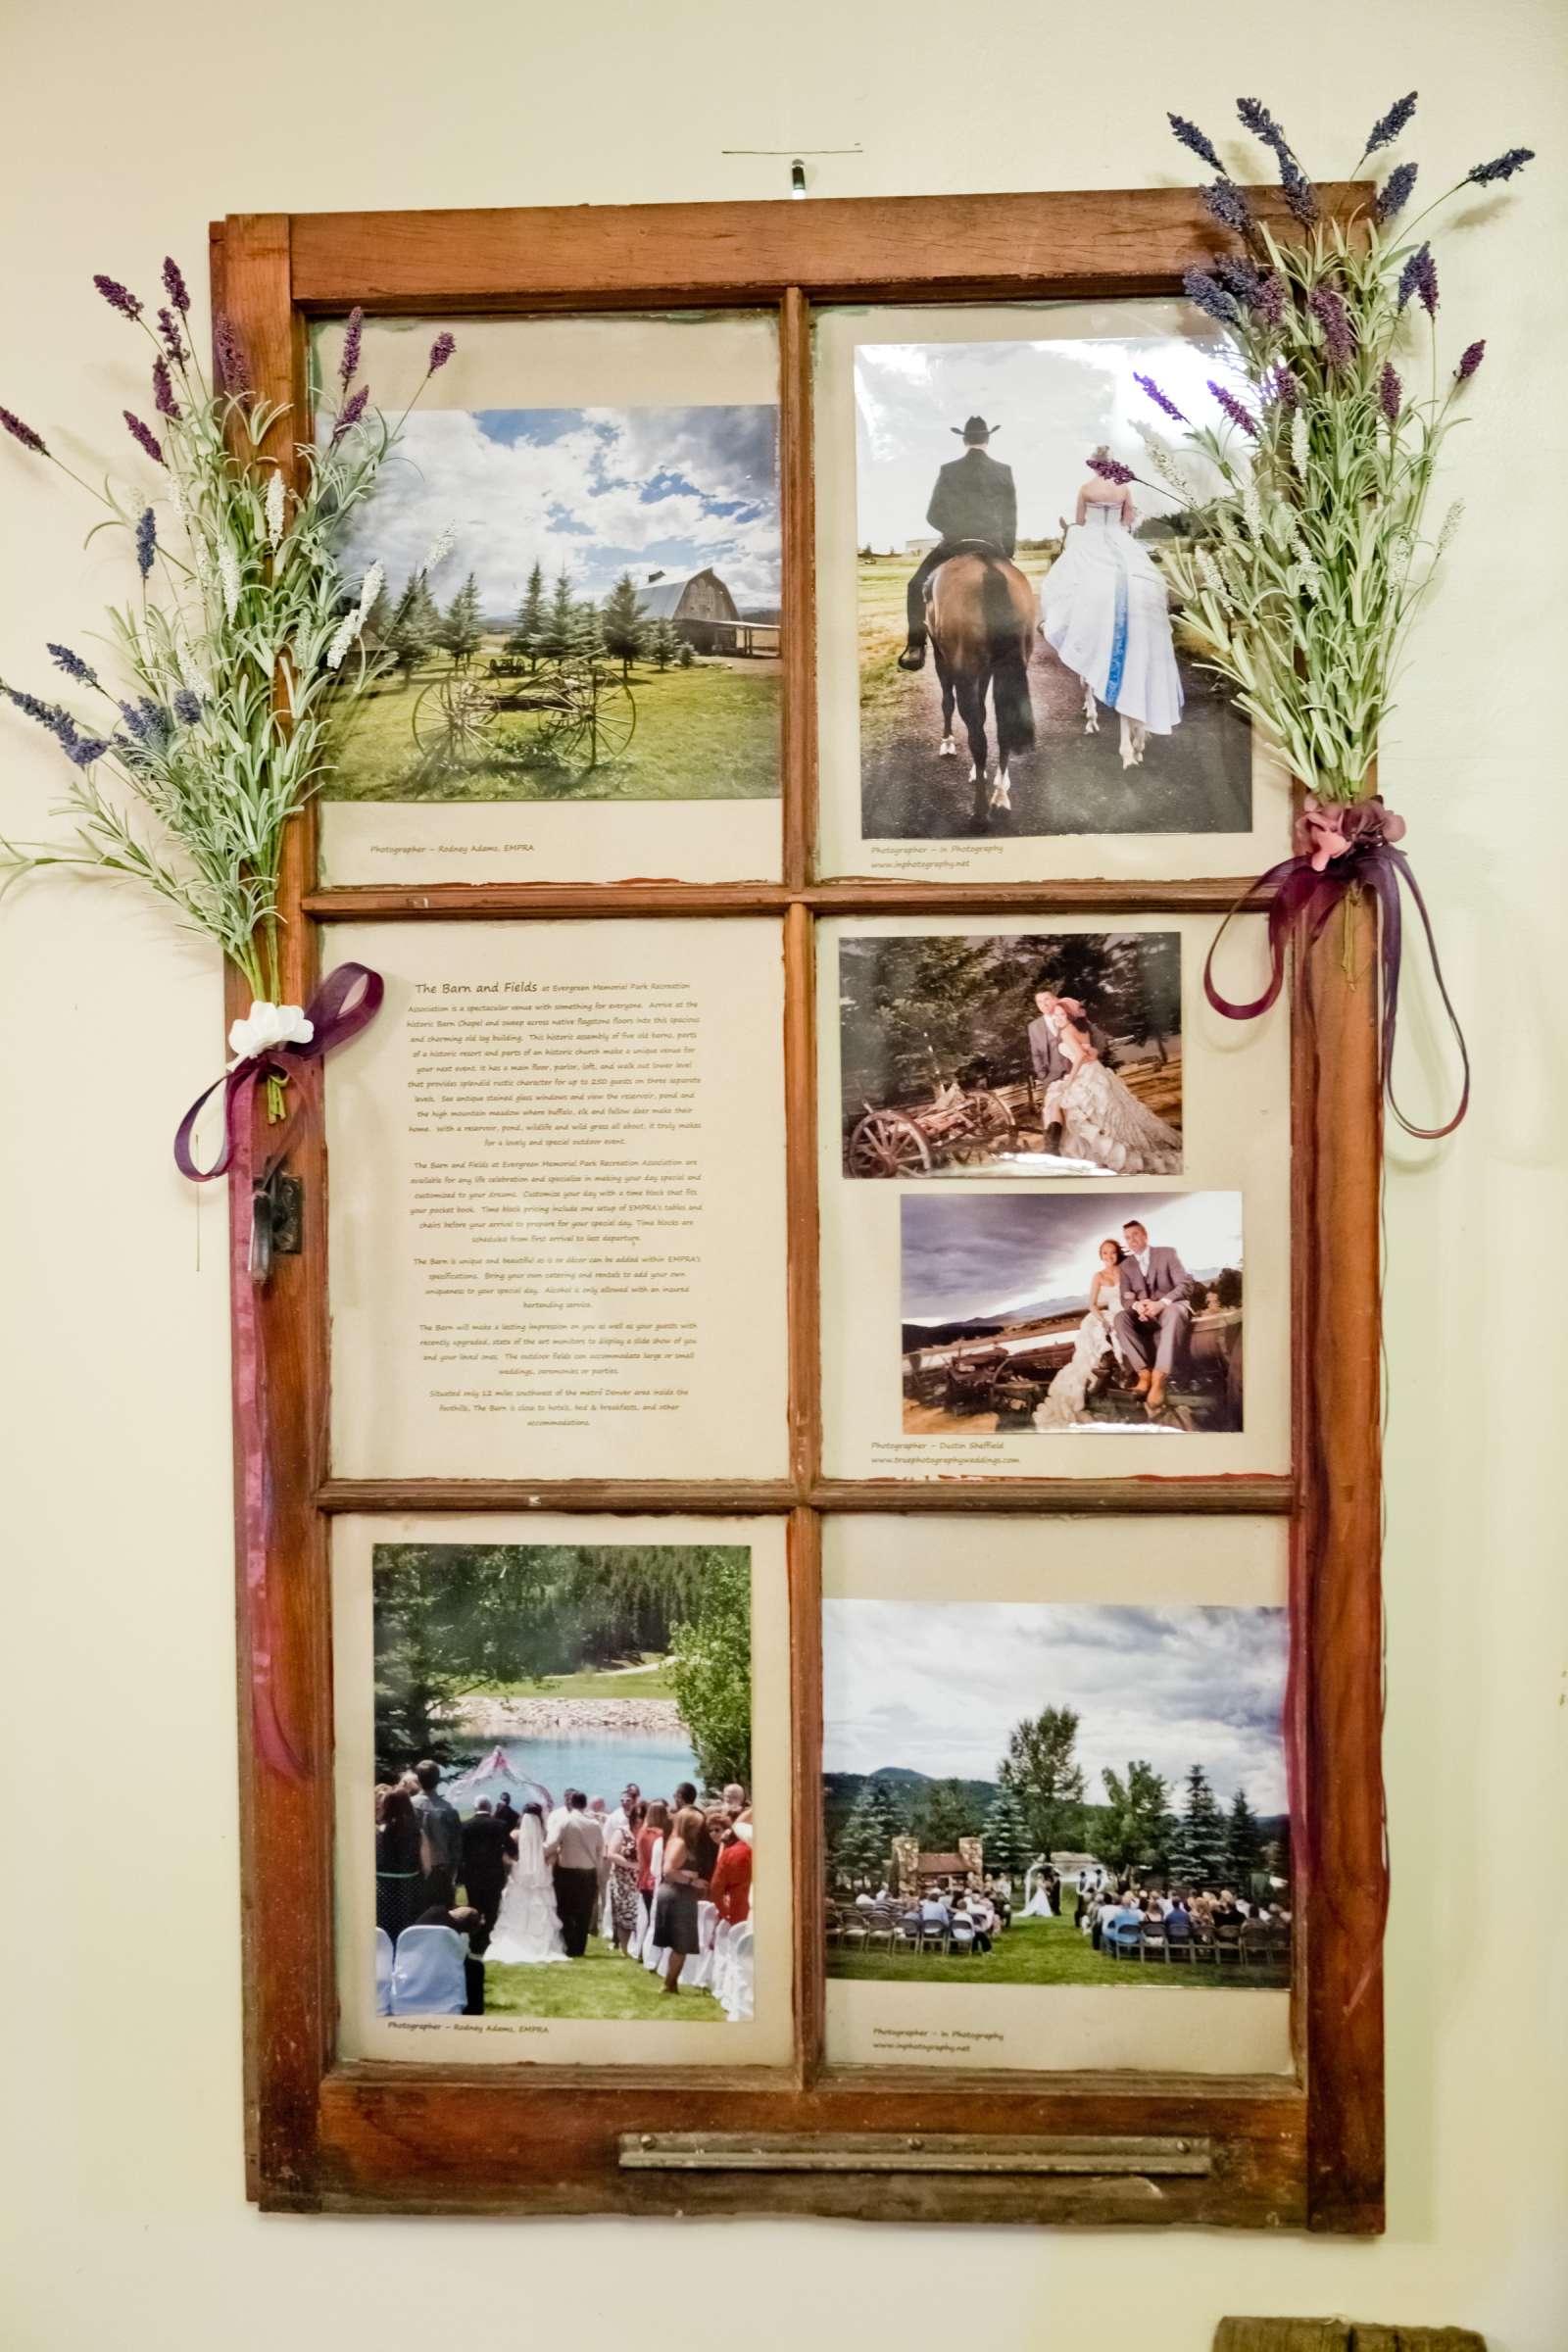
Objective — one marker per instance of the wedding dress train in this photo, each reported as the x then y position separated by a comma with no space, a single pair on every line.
528,1926
1102,1120
1064,1402
1106,614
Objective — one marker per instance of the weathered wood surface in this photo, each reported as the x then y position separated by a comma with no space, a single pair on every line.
1340,2335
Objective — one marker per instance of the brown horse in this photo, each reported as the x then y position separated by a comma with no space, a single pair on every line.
981,615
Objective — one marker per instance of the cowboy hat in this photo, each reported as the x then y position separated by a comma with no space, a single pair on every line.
974,429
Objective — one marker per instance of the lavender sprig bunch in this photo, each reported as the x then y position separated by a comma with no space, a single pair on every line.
238,686
1299,583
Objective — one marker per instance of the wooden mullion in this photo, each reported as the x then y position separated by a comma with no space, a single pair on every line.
486,901
798,501
805,1780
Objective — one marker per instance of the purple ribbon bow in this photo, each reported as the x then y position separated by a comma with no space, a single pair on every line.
1338,846
335,1018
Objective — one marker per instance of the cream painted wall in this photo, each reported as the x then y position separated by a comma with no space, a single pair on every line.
126,128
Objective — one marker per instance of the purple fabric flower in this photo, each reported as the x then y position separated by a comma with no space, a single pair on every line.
1502,167
1194,139
1229,207
1339,336
441,351
71,664
1410,274
1269,299
1279,388
187,707
134,720
1426,280
142,437
1470,359
1389,126
1301,197
1234,410
22,433
348,365
53,715
348,414
1109,470
1394,193
1211,296
1147,384
118,298
164,399
230,353
1254,116
173,344
1391,392
1237,275
146,541
83,749
175,286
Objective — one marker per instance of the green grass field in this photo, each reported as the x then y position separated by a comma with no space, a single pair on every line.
603,1983
1031,1951
707,733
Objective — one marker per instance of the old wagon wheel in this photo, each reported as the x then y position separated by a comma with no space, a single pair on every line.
592,718
991,1124
886,1144
450,722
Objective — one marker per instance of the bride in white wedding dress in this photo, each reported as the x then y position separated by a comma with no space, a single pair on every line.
1106,614
528,1926
1102,1120
1064,1402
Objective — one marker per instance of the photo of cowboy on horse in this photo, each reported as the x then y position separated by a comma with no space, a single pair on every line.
1033,629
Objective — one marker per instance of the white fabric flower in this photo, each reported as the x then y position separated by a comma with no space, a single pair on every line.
268,1025
274,508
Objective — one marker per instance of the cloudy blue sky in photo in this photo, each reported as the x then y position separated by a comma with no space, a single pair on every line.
1053,402
991,1253
937,1687
598,491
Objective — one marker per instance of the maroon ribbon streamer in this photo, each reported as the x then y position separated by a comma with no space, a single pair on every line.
340,1008
1298,893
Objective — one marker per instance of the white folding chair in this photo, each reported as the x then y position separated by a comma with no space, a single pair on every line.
427,1979
383,1973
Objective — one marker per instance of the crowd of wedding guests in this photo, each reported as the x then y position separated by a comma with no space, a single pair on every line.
1119,1918
637,1874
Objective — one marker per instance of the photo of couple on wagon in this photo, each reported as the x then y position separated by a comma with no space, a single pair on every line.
1018,668
1072,1312
564,1822
1011,1054
1040,1794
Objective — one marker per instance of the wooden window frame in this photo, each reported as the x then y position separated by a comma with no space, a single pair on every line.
1270,2151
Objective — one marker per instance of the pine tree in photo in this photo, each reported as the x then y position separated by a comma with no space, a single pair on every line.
1200,1849
559,635
864,1847
1244,1842
1006,1832
664,645
588,634
377,622
1135,1832
526,641
411,630
944,1815
461,632
686,658
625,629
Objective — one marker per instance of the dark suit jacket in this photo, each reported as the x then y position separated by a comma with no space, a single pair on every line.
1167,1278
1046,1057
484,1847
974,499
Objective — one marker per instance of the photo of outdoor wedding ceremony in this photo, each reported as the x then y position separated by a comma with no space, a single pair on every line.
572,604
1017,667
1012,1053
1041,1794
564,1821
1116,1312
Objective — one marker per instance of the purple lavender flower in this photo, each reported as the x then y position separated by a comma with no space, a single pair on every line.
1229,207
1301,197
52,715
187,707
142,437
146,541
1254,116
1391,392
1339,336
1410,274
118,298
22,433
1237,275
83,749
1193,138
1470,359
1502,167
348,414
441,351
230,353
1109,470
1389,126
1268,301
71,664
1147,384
1234,410
1394,193
164,399
168,328
348,365
134,720
1426,280
1211,296
1280,388
175,285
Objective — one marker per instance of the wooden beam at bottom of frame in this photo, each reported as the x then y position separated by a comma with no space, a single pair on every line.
1135,2162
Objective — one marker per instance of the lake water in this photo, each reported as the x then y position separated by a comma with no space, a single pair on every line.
599,1762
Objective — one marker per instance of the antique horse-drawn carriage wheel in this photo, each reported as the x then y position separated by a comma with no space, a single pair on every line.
887,1144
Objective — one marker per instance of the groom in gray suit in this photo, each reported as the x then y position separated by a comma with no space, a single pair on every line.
1155,1319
